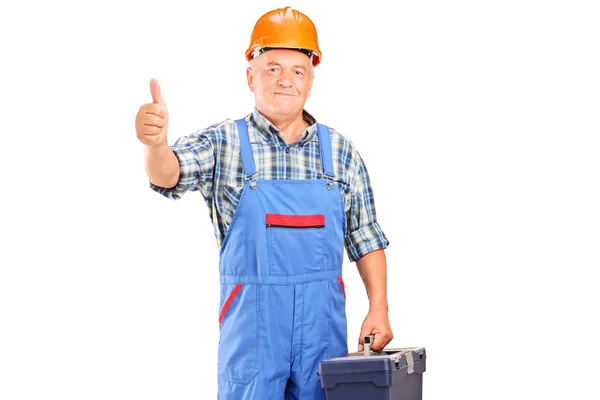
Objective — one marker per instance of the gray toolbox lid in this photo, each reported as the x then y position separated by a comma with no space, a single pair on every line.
386,361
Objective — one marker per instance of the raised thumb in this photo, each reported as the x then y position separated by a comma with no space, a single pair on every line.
155,90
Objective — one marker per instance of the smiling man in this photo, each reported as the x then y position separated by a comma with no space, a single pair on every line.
286,196
281,81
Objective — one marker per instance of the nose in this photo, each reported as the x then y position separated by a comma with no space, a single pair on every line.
284,82
284,79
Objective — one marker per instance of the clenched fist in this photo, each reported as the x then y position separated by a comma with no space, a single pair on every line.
152,119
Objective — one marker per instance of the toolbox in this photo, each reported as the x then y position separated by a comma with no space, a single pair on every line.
392,374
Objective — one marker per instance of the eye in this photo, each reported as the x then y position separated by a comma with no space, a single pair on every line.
299,73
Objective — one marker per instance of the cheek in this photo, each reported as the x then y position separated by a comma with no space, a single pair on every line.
304,88
262,85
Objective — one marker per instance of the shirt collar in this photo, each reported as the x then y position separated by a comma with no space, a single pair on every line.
268,132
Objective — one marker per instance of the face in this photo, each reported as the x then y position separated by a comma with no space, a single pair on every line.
281,81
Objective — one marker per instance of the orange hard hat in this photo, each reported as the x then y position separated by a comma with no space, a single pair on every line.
284,28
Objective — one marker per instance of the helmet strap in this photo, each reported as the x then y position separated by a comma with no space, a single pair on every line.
259,50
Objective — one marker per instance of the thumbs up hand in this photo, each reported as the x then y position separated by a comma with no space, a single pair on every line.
152,119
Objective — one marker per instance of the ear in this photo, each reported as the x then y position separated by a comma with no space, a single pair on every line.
250,79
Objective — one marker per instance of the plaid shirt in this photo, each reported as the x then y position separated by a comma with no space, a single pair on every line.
210,162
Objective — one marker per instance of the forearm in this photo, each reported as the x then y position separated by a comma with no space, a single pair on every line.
373,271
162,165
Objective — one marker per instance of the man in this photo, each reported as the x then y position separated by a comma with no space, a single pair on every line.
285,195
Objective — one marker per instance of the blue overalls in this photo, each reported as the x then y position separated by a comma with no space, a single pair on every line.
282,304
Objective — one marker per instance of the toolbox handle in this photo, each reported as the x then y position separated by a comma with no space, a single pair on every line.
368,342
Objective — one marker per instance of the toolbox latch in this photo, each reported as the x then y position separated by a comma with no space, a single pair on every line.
410,362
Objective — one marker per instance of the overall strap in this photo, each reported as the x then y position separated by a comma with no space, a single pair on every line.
247,158
325,150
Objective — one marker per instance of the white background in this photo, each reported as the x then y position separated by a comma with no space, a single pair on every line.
478,122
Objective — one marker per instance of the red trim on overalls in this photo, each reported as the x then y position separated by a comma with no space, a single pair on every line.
230,299
296,221
339,278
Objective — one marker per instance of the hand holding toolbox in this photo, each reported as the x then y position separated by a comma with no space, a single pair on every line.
392,374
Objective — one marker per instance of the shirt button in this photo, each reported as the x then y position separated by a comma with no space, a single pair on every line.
287,149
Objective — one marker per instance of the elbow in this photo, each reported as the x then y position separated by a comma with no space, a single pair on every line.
164,180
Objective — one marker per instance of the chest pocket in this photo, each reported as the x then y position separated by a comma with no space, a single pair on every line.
296,243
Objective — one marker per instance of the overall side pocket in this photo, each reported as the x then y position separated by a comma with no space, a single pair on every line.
338,339
238,342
